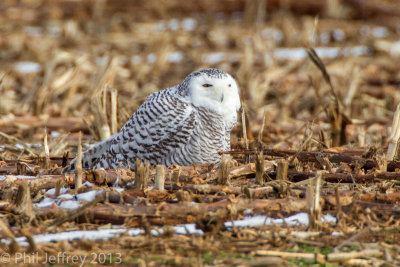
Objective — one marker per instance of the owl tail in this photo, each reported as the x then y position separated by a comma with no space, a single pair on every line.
90,156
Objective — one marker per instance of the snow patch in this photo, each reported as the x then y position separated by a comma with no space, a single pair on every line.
34,31
46,202
70,204
52,191
213,58
323,52
277,35
88,196
66,196
55,134
189,24
258,220
25,67
335,233
338,35
379,32
175,57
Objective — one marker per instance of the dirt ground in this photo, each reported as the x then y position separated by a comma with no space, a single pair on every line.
312,178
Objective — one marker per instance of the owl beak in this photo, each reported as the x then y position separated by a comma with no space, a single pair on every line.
222,97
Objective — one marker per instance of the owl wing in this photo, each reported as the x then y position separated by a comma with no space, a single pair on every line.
160,127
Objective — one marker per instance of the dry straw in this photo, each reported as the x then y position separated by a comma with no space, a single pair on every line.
394,137
78,164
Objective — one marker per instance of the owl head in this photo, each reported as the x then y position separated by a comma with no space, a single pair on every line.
212,89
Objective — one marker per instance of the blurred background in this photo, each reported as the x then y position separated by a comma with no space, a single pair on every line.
63,63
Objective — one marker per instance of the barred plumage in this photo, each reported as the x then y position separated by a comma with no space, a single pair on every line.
185,124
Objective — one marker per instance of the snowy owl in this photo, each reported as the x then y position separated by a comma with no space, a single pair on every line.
185,124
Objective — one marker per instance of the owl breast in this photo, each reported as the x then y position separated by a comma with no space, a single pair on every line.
209,137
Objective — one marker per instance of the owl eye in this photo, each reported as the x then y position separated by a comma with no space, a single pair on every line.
207,85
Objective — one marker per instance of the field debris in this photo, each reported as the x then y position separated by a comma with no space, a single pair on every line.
313,173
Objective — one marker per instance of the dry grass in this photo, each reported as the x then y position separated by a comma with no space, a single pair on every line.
317,126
